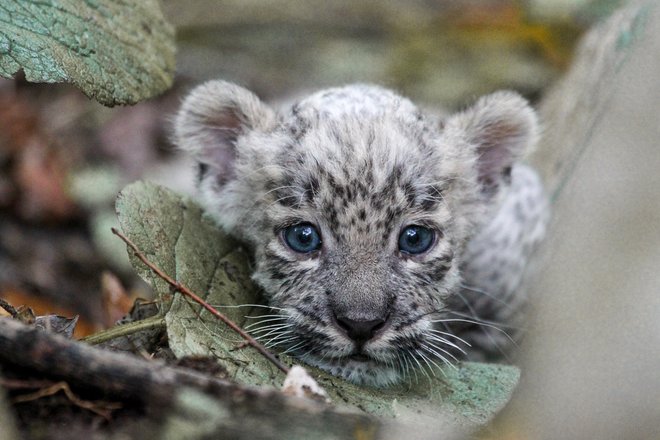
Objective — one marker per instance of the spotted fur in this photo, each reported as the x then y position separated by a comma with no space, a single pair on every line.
361,163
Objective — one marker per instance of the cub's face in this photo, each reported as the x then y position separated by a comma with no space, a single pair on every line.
357,207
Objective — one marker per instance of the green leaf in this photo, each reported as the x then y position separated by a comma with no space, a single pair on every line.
174,234
115,51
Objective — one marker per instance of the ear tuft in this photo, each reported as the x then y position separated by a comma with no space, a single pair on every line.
501,127
212,118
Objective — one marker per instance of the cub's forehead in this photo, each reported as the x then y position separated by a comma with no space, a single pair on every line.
356,100
356,137
353,125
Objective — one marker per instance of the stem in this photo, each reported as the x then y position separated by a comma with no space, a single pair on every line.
125,330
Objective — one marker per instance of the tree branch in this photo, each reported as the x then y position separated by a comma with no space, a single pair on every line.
245,411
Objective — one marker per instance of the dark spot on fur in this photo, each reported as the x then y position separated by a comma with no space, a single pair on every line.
270,183
361,188
432,198
337,136
295,109
202,170
506,175
392,214
308,332
494,276
388,191
331,216
331,181
428,204
285,198
273,256
410,193
345,172
376,203
489,186
299,129
311,188
439,272
350,195
277,274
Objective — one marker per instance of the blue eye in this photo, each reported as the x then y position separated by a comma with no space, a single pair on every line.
415,239
303,238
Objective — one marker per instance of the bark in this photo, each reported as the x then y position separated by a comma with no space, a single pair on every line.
239,411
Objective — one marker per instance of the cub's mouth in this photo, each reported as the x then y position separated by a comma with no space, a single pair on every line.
360,357
380,360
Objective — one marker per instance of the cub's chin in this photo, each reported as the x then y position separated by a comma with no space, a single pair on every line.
359,369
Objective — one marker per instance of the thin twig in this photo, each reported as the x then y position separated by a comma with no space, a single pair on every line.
128,329
8,308
102,408
187,292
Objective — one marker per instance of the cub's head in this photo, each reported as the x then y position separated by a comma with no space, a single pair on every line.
357,207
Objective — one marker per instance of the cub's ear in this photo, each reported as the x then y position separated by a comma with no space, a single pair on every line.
500,127
211,120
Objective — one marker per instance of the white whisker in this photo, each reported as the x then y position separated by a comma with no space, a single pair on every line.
485,293
421,368
220,306
274,342
433,348
470,321
446,342
278,339
262,322
265,332
294,347
485,332
451,335
428,362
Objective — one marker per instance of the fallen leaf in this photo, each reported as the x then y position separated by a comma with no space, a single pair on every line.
115,52
44,307
57,324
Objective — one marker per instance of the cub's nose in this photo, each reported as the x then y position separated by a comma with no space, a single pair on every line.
360,331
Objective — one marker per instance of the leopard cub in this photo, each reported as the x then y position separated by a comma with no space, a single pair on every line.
385,239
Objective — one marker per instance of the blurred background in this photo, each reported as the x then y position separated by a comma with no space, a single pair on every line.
63,157
591,366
